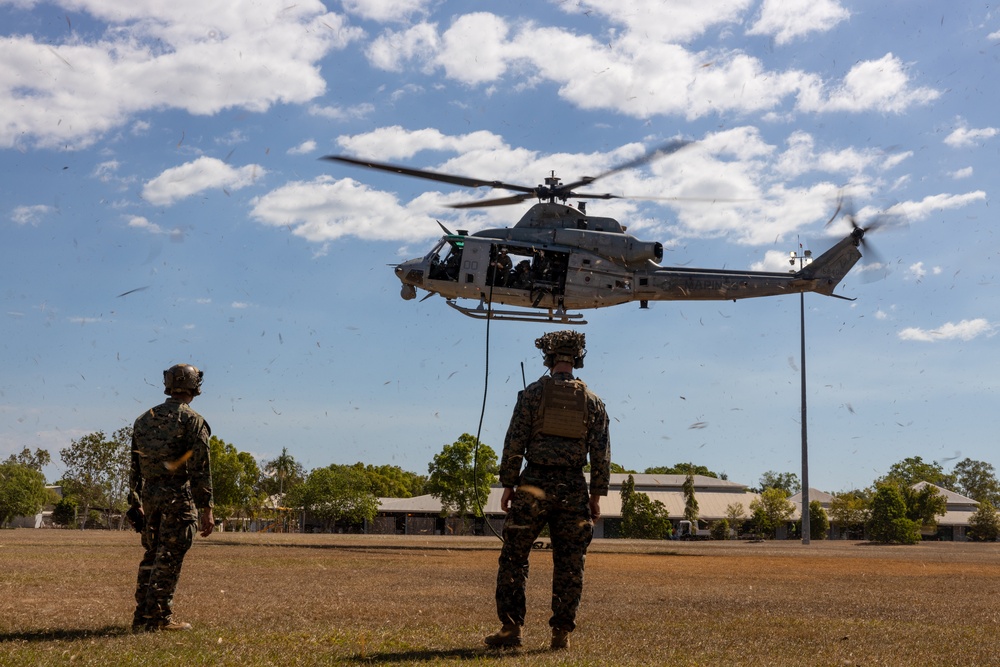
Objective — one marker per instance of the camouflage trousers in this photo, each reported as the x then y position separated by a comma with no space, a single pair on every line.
562,503
169,532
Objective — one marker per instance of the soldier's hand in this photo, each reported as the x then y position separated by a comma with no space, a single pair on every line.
595,507
207,522
506,498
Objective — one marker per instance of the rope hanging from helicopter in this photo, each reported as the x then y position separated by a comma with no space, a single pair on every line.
482,414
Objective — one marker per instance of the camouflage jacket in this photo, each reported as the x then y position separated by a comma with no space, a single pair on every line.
170,451
549,450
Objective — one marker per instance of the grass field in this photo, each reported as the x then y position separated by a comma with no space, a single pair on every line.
66,598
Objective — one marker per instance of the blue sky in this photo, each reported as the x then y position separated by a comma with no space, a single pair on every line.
171,148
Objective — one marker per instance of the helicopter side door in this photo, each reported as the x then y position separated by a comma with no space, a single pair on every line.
472,272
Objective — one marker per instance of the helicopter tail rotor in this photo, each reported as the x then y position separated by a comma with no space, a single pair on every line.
874,267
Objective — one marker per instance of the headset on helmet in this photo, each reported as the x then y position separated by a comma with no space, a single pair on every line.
565,345
182,378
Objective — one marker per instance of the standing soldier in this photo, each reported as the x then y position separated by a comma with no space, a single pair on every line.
557,424
171,476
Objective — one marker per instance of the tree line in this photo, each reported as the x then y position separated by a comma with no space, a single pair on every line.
896,508
95,484
95,489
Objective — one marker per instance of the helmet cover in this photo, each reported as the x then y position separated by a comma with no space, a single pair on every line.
183,378
564,345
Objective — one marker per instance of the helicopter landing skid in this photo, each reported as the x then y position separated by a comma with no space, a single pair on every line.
552,315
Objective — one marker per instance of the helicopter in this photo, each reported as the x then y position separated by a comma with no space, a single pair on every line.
558,259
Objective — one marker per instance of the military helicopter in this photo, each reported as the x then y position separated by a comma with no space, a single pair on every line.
558,258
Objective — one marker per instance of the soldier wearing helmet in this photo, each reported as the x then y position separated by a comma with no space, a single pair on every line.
557,425
171,480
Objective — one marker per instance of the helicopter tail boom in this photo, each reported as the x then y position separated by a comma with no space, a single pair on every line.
827,270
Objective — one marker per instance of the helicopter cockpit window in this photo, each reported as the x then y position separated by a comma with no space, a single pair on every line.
446,258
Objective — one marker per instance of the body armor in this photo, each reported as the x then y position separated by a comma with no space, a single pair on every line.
563,411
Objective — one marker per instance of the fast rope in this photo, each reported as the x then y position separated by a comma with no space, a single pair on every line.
482,413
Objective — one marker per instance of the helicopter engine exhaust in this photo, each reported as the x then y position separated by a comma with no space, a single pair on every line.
640,251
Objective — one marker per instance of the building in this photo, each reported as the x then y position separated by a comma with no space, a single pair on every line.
421,515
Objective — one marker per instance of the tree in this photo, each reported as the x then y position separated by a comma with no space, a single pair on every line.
887,522
719,530
682,469
911,470
97,472
642,517
690,502
392,481
736,516
849,510
771,510
786,481
335,493
282,474
36,461
64,513
452,480
613,468
819,523
22,491
977,480
984,524
235,481
924,504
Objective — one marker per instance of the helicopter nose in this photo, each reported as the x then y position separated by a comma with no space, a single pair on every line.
410,272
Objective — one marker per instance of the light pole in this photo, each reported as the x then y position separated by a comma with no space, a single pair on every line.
804,258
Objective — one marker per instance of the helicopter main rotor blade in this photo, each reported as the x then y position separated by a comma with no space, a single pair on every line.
499,201
661,151
428,175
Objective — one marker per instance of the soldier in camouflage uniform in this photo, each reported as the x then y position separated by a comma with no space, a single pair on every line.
171,476
557,424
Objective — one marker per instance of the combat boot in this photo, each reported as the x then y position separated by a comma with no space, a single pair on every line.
509,636
170,626
560,639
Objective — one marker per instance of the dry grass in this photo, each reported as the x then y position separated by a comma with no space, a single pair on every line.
66,598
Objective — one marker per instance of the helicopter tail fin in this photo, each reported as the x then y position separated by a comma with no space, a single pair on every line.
827,270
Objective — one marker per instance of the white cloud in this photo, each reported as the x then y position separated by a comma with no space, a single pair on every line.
30,215
921,210
963,137
639,71
918,271
393,49
802,157
152,56
398,143
965,330
340,113
139,222
775,261
326,209
239,305
304,148
385,10
475,48
787,20
193,177
959,174
678,20
871,85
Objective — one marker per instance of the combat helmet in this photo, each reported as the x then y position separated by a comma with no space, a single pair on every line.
182,378
565,345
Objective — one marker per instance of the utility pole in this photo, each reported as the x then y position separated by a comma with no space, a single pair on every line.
803,258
